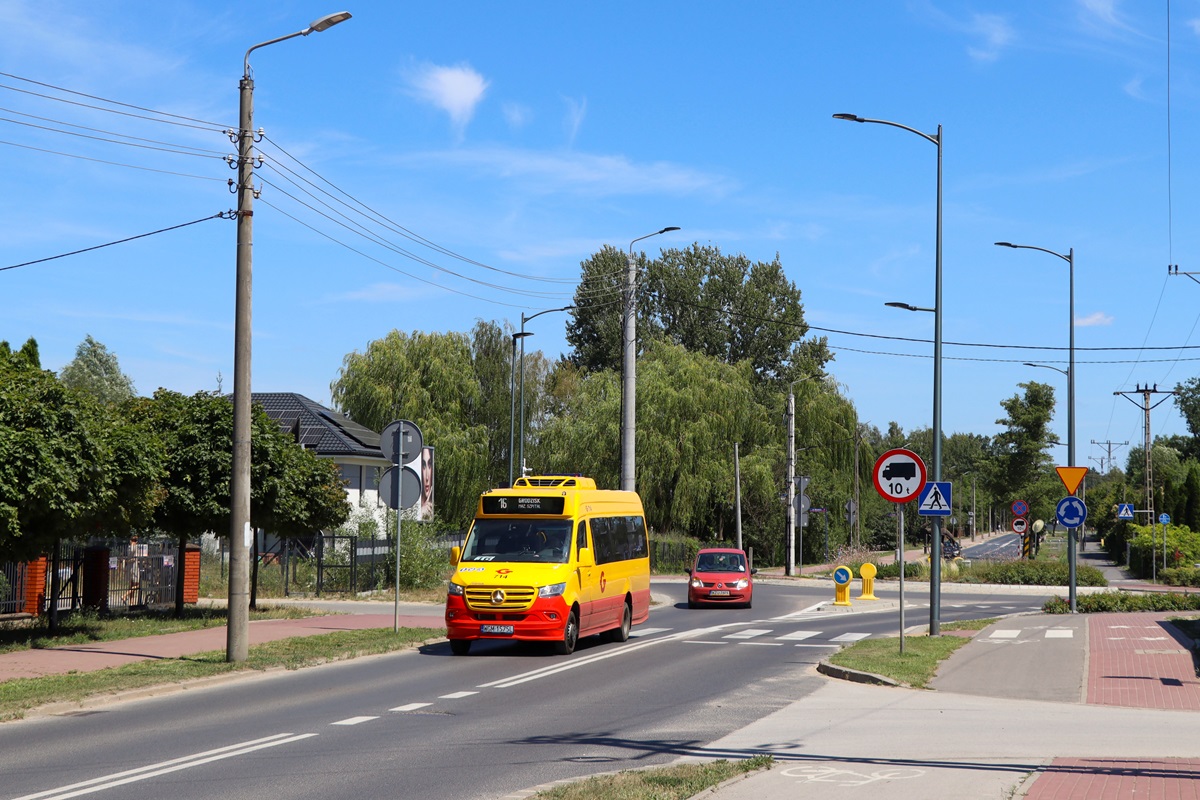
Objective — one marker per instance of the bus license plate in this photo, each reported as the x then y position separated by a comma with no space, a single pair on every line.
507,630
719,593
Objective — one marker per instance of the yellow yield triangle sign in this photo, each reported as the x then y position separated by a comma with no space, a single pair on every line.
1071,477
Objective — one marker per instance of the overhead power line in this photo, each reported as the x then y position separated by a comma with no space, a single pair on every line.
218,215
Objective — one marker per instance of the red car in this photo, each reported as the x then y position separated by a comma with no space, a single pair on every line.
721,576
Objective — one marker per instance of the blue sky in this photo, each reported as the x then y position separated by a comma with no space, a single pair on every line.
525,136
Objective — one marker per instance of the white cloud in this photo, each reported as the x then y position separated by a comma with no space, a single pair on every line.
995,32
381,293
515,114
593,175
455,90
1194,24
1092,320
576,110
1134,88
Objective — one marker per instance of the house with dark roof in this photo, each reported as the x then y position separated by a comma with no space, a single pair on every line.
333,435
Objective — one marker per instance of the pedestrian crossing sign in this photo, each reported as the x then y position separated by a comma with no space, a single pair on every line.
1125,511
934,500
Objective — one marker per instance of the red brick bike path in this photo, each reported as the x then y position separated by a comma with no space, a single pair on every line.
1135,661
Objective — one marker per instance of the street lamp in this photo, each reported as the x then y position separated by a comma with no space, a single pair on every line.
237,632
512,402
1069,257
790,565
522,336
629,367
935,555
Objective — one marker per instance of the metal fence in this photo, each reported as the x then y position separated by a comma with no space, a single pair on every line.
141,575
12,588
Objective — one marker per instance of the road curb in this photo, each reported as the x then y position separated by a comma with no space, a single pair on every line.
855,676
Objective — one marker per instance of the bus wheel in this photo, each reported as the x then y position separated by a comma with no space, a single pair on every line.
566,645
621,634
460,647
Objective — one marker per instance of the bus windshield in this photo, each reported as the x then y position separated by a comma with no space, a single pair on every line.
538,540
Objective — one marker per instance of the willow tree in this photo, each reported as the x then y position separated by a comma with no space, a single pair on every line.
429,379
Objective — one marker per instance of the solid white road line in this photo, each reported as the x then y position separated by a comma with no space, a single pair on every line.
164,767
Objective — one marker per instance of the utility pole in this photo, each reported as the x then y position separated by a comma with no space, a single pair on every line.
1146,391
1109,445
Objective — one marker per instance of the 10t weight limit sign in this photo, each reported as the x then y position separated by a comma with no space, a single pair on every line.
899,475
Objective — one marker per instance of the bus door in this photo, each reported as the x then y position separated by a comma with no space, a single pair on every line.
589,580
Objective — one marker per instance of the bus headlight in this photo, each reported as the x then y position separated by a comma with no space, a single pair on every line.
553,590
454,590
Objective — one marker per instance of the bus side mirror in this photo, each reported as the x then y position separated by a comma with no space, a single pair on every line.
455,555
585,558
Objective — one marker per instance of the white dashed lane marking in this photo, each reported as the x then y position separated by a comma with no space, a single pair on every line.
353,721
456,695
410,707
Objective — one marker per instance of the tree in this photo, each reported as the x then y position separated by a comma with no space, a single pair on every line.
703,300
95,370
428,378
491,360
69,467
1022,466
595,328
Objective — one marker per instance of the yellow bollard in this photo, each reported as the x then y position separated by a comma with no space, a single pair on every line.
841,581
867,571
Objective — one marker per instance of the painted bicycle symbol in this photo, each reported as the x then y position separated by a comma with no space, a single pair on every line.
846,777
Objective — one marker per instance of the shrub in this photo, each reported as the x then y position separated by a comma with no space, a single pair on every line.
913,570
1031,573
1101,602
1180,576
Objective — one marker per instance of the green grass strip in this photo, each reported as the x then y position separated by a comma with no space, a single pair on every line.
22,694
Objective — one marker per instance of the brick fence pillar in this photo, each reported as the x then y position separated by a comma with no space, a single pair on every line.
35,586
191,574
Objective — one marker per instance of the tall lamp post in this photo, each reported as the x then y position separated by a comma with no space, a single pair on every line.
512,403
790,566
522,336
935,552
629,368
237,641
1068,257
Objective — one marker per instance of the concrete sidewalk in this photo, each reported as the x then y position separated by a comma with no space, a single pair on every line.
1035,706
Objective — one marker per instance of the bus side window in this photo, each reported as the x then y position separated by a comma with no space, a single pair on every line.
580,537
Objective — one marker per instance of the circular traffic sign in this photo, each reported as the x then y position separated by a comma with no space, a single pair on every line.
1165,519
1020,525
1071,511
899,475
1020,508
842,576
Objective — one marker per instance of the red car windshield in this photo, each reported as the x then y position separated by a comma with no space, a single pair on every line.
720,562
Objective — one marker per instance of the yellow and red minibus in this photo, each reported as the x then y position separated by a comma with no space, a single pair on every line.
550,560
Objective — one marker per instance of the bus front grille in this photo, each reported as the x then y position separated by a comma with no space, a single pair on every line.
500,598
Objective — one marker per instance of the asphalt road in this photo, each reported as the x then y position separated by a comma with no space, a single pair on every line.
489,725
